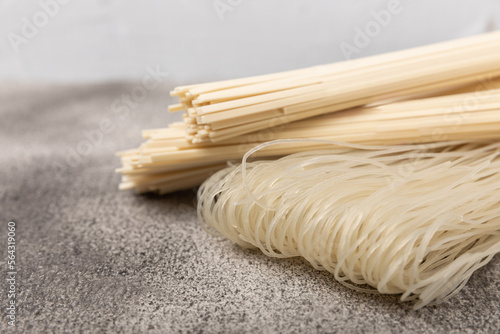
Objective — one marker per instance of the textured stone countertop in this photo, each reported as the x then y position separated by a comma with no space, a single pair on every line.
94,259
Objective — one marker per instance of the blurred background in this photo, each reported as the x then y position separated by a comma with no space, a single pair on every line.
194,41
80,80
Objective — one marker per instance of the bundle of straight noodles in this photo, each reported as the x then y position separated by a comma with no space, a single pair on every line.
221,110
384,171
166,162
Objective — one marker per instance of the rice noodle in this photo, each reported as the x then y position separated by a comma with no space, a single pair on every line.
415,220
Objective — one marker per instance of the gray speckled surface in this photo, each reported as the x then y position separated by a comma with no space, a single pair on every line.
94,259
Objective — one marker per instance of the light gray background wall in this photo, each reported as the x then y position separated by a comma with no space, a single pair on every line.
196,40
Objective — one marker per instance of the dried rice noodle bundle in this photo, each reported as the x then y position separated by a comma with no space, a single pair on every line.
415,220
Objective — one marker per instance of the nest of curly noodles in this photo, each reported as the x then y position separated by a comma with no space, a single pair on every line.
412,220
